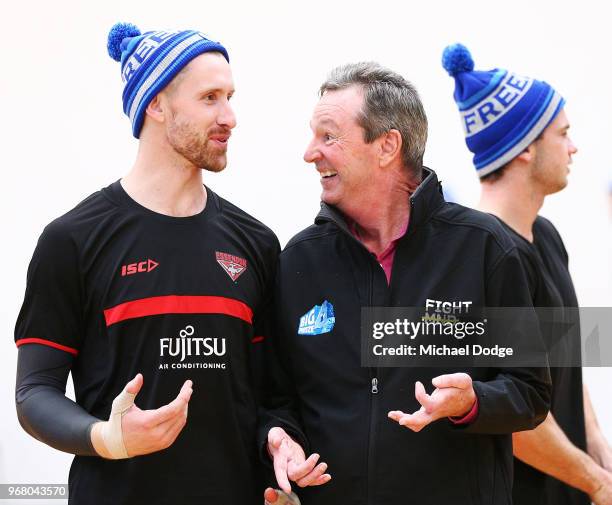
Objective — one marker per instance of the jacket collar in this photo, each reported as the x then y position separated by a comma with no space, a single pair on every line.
426,199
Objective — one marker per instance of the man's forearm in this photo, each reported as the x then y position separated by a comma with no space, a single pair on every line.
549,450
57,421
42,407
597,445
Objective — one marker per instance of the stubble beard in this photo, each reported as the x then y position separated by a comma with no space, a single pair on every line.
193,145
550,179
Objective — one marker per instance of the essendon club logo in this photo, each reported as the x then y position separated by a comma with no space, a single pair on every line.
233,265
139,267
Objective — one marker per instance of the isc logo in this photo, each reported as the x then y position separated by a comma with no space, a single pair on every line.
135,268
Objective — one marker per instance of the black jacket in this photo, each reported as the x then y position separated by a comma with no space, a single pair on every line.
328,399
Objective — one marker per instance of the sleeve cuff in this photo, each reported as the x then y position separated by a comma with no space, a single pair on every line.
469,417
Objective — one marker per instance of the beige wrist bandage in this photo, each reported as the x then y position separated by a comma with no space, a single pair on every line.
111,430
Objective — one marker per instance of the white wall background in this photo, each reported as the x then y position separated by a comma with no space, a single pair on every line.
64,135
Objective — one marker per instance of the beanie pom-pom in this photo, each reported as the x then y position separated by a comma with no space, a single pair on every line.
457,59
116,35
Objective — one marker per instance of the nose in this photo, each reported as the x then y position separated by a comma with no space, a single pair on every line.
572,147
227,118
312,153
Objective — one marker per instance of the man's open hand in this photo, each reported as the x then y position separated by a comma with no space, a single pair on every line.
131,431
290,463
454,396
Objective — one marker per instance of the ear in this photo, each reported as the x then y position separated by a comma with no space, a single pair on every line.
390,147
156,109
528,155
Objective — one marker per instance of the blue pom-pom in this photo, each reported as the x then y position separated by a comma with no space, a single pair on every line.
116,35
456,58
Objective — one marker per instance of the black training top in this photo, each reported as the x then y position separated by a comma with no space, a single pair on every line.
124,290
546,265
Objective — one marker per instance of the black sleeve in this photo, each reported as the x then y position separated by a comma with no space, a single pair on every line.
48,334
278,397
518,398
531,273
42,407
51,313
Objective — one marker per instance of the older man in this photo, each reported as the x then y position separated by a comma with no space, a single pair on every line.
157,282
386,237
566,460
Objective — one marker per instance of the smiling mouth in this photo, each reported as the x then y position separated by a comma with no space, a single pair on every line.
328,174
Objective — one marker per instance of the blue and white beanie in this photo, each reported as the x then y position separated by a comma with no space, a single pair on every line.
502,112
149,61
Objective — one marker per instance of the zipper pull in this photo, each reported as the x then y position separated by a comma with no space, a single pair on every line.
374,385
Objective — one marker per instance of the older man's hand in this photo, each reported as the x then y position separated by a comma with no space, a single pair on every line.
290,462
454,396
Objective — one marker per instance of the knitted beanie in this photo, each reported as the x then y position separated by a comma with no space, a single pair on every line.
502,112
149,61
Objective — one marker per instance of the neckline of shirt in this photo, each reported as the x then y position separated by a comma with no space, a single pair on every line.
122,198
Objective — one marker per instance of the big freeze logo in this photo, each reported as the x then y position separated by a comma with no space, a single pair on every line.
187,345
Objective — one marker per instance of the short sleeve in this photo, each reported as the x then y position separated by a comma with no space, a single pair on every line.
52,306
531,273
263,319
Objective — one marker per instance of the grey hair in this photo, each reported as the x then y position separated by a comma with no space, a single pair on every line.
390,102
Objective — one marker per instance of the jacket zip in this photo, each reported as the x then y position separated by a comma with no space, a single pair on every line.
374,385
373,409
374,381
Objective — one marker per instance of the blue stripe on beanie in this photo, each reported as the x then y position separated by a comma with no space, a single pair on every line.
479,95
150,61
502,112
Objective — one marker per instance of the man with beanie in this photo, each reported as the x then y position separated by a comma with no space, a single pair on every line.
385,237
517,129
148,290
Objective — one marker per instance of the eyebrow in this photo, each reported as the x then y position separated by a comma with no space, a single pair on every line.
205,91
